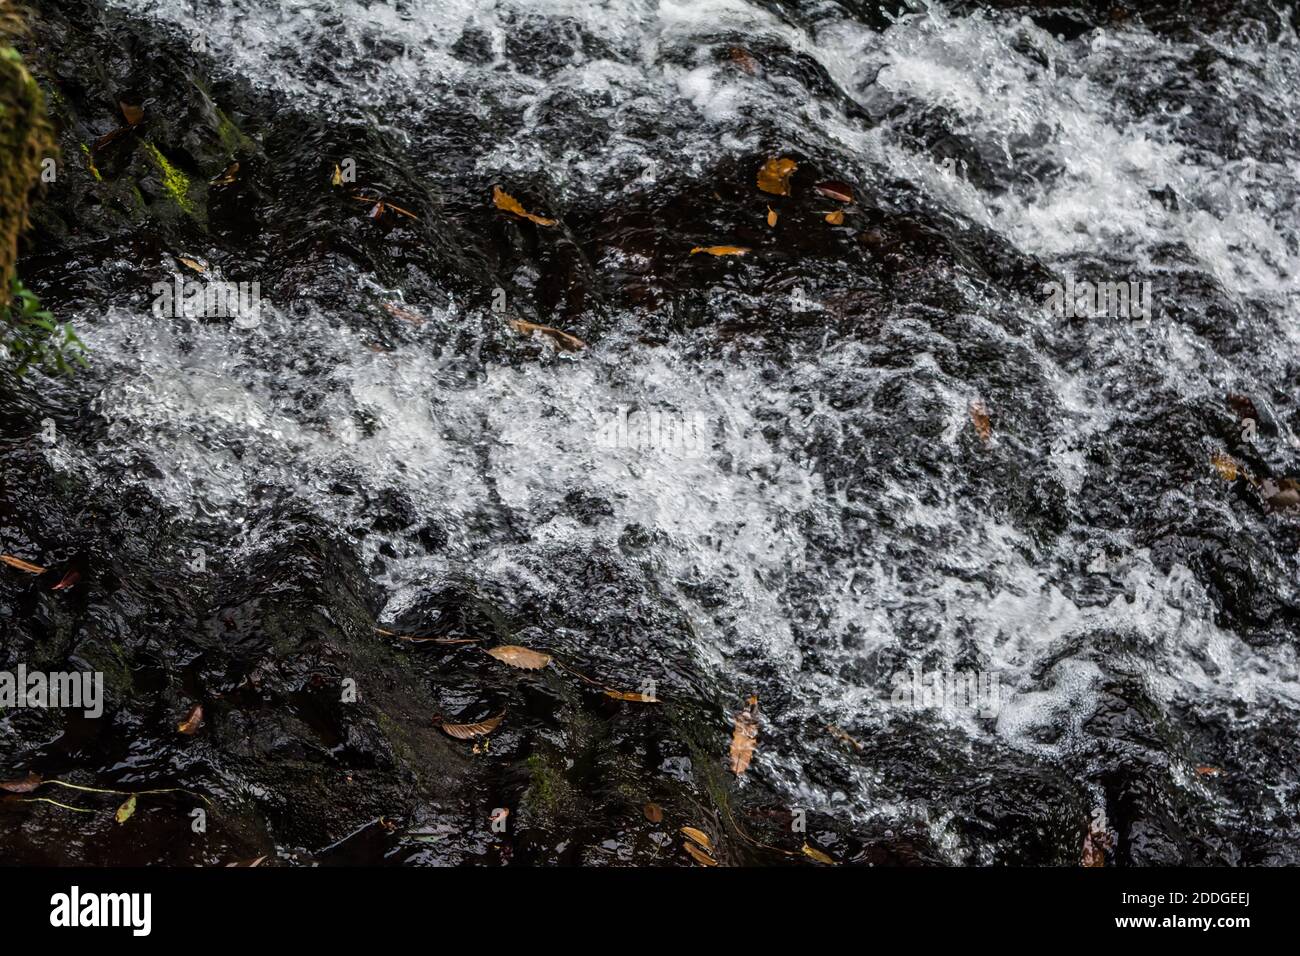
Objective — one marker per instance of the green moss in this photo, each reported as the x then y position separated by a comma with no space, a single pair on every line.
174,181
90,163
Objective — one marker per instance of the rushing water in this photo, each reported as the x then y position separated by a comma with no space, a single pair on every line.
840,522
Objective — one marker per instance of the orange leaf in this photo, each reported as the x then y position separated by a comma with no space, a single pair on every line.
979,417
635,698
775,175
470,731
836,217
510,204
653,812
1225,464
836,190
721,250
771,216
570,343
521,657
699,855
21,565
698,836
192,722
744,737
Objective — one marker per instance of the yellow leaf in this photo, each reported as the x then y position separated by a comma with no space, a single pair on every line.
979,417
125,811
775,175
698,836
721,250
771,216
469,731
570,343
337,180
699,855
21,565
818,855
744,737
835,218
521,657
193,264
509,203
1225,464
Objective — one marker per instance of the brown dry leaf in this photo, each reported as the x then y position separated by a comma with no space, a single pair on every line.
25,785
841,735
699,836
69,579
1242,406
133,115
406,315
744,736
771,216
570,343
815,854
699,855
470,731
227,177
721,250
635,698
836,217
517,656
742,58
192,721
1225,464
509,203
838,191
193,264
775,175
653,812
126,810
979,417
1208,771
21,565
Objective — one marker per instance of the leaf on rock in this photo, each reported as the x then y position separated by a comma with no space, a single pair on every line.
771,217
522,657
126,810
21,565
69,579
193,264
1225,464
979,417
698,855
698,836
742,58
228,176
721,250
653,812
841,735
25,785
835,217
470,731
510,204
744,736
841,192
815,854
634,698
775,175
193,720
337,178
570,343
133,115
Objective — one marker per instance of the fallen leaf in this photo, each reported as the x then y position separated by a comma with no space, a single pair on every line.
840,734
509,203
742,58
337,178
1243,406
228,175
193,264
699,855
125,811
698,836
406,315
25,785
653,812
470,731
522,657
570,343
133,115
840,192
836,217
192,721
771,216
979,417
721,250
21,565
744,737
69,579
816,854
1225,464
1208,771
634,698
775,175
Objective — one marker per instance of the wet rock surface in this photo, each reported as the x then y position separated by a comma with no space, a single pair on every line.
860,502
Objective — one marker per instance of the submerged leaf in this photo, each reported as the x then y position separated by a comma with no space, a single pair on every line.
835,217
1225,464
841,192
21,565
25,785
570,343
190,725
979,417
653,812
470,731
771,216
69,579
522,657
775,175
126,810
133,115
815,854
721,250
635,698
744,736
510,204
